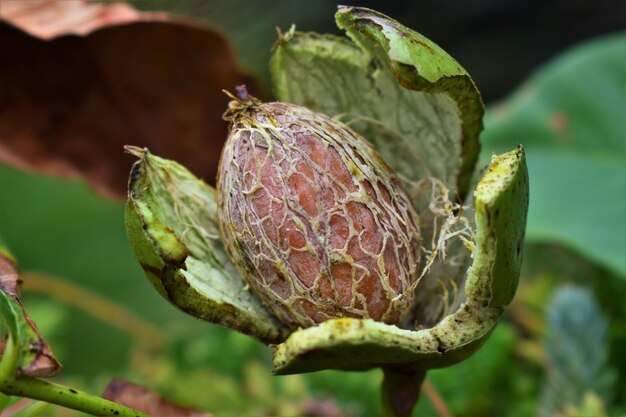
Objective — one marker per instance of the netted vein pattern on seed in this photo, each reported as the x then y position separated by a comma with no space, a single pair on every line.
326,228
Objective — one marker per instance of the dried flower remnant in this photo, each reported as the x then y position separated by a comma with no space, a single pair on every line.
313,218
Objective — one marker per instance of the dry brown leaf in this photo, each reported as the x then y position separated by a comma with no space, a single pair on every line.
80,80
40,361
145,400
47,19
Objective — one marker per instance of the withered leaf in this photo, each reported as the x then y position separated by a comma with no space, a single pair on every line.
80,80
47,19
145,400
34,356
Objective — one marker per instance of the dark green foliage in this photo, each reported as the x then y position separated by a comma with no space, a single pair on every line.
569,116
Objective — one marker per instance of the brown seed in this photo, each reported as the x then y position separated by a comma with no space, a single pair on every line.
313,218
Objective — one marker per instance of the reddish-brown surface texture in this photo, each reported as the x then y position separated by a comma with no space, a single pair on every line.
81,80
316,221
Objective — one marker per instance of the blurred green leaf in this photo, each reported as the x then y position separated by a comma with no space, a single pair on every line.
576,344
591,405
61,227
570,118
548,266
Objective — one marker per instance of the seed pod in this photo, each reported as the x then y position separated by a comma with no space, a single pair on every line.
313,218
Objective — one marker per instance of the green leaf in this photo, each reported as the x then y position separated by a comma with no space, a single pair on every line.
576,345
570,118
78,237
403,93
351,344
171,220
25,351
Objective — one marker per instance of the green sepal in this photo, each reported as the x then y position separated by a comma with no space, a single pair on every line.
352,344
403,93
357,345
171,221
501,203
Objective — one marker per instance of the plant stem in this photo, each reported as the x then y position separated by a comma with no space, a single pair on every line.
40,389
435,399
400,391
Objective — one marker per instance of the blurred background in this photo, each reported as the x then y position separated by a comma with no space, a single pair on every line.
551,74
499,43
